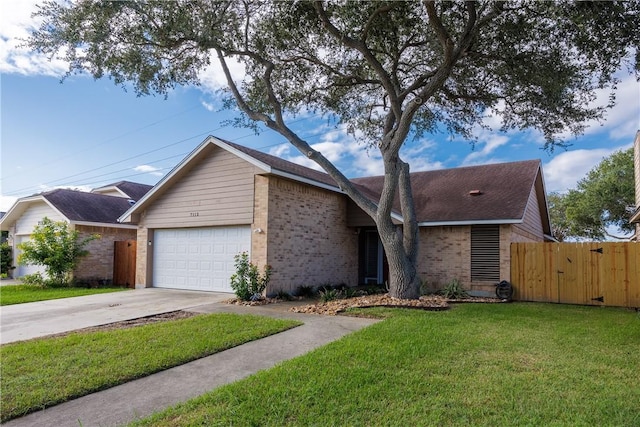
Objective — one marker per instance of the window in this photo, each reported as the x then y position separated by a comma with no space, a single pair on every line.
485,253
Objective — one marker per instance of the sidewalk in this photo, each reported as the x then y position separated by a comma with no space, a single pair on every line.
137,399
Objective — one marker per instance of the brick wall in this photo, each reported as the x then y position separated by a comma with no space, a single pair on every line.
143,262
308,240
99,263
445,254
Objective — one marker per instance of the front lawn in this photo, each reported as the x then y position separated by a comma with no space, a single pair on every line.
19,294
43,372
481,365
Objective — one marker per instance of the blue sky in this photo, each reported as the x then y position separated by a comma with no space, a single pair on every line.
85,133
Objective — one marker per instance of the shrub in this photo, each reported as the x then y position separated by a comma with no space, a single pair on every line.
247,282
6,259
57,247
454,290
305,291
33,279
284,295
329,294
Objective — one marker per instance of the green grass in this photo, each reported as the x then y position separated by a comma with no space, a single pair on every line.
481,365
19,294
43,372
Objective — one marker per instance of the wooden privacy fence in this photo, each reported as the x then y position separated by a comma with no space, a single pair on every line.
577,273
124,263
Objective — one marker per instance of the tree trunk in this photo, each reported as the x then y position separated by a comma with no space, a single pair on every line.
404,281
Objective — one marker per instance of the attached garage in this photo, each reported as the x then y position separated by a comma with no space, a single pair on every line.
200,259
25,269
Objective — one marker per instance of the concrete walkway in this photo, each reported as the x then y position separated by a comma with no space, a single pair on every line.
137,399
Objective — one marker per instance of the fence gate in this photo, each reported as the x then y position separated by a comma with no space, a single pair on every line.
124,263
577,273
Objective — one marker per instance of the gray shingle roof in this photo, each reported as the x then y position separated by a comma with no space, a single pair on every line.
87,207
443,195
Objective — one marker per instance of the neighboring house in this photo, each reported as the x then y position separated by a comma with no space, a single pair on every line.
635,217
224,198
96,212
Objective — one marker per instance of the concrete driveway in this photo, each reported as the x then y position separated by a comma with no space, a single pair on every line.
25,321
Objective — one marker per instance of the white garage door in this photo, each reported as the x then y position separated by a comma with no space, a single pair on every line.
198,258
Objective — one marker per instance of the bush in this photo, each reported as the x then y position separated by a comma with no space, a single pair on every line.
247,282
305,291
6,259
454,290
329,294
57,247
35,279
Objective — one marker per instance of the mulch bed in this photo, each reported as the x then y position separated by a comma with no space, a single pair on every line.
430,302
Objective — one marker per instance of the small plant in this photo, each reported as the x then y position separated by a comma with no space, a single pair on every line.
247,282
34,279
329,294
454,290
305,291
284,295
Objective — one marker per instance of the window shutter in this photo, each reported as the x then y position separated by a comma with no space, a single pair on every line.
485,253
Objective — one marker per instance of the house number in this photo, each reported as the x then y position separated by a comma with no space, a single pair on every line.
194,213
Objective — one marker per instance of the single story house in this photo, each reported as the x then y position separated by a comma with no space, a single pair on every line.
224,198
94,212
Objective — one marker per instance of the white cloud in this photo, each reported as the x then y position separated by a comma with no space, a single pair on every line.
213,79
489,141
152,170
16,24
565,170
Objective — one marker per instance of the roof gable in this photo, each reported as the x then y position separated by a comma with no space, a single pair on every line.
132,190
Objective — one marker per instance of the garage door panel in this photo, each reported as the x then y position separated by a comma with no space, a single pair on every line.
198,258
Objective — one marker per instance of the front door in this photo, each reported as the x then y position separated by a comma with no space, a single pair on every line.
372,259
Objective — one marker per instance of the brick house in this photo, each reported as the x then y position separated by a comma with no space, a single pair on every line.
224,198
94,212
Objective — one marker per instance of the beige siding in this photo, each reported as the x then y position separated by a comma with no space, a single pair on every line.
111,192
530,230
356,217
33,215
218,190
308,240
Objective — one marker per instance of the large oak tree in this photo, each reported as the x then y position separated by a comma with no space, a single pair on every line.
386,70
603,200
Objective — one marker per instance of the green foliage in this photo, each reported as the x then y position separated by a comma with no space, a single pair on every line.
305,291
454,290
6,258
247,282
602,199
329,294
57,247
34,279
284,295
